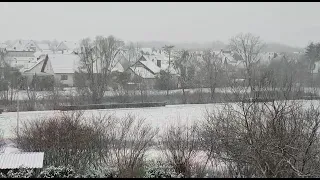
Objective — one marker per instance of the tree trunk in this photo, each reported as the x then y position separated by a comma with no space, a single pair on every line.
184,95
168,83
212,90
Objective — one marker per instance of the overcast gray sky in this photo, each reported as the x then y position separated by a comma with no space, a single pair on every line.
290,23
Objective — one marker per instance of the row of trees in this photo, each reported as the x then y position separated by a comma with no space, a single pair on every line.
99,57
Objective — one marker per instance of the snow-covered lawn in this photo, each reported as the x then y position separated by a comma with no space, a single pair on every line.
160,117
157,116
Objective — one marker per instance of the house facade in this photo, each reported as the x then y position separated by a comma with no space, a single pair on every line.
20,59
64,66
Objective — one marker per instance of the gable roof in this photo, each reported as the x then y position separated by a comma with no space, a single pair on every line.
43,46
23,45
34,64
149,64
71,46
142,72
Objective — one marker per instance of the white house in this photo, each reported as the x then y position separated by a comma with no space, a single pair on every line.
20,59
64,66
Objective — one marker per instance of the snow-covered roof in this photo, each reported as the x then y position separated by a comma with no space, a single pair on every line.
70,45
32,64
23,45
151,65
118,67
43,46
24,159
38,54
64,63
142,72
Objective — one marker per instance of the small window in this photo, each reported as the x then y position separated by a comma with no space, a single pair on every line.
159,63
64,77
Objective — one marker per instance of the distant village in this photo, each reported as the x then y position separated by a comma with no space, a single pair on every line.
62,60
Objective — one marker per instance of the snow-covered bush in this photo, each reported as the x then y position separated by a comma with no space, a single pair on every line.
2,175
68,138
159,169
102,173
20,173
58,172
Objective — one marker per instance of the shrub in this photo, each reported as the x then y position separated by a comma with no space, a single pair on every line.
58,172
164,81
159,169
179,145
276,139
66,139
132,140
20,173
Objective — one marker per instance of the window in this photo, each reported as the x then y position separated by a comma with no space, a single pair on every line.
64,77
159,63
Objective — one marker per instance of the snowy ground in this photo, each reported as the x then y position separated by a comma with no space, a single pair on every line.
160,117
156,116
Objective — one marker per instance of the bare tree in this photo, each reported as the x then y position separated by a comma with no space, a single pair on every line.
274,139
185,69
248,47
2,141
3,63
133,52
180,145
168,50
213,70
68,139
132,139
98,58
53,45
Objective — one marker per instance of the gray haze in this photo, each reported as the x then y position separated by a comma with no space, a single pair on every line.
294,24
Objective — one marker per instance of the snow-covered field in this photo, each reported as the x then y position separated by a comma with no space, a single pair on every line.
156,116
160,117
